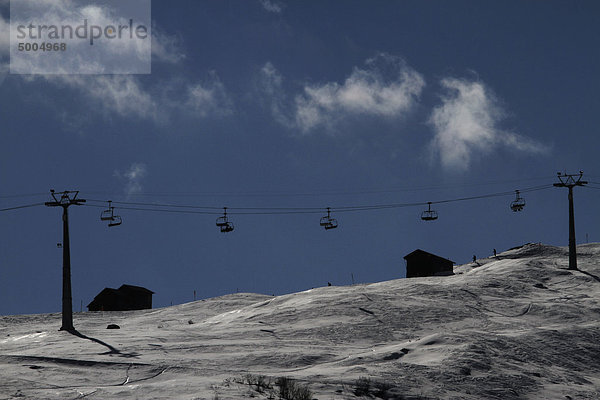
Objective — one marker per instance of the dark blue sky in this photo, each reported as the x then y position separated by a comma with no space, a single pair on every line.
320,104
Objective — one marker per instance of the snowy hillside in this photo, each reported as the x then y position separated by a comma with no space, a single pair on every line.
519,326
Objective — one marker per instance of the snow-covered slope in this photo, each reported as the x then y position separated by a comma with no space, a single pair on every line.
517,326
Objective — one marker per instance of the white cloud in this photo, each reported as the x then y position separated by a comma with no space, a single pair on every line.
387,87
165,47
270,79
116,55
125,95
133,178
129,96
4,36
466,125
272,6
270,85
4,47
4,69
209,98
121,94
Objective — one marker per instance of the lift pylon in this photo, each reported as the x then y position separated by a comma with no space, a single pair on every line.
67,198
570,181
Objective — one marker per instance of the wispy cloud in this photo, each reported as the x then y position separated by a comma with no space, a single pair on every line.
115,56
270,83
133,97
272,6
166,47
4,36
466,125
209,98
386,87
132,178
116,92
123,95
4,45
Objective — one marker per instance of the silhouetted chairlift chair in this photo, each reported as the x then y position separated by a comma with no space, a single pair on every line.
332,224
518,204
327,222
429,214
228,227
223,223
116,221
107,215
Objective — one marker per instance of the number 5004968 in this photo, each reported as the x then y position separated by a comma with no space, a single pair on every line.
42,46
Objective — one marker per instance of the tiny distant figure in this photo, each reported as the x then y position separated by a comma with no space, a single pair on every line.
328,283
474,258
494,252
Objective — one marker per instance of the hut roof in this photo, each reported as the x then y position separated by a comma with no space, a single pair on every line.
135,289
421,253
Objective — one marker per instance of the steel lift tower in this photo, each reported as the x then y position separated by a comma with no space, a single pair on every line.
66,199
570,181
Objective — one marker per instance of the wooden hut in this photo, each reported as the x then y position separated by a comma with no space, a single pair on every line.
125,298
420,263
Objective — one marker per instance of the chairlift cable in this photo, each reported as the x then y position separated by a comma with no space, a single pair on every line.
324,192
286,194
196,209
159,205
20,207
15,196
315,210
157,210
210,207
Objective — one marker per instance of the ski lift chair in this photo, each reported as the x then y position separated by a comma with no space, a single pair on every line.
116,221
429,214
518,204
228,227
332,224
107,215
327,222
222,221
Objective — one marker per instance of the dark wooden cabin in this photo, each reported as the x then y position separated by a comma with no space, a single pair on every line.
125,298
420,263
